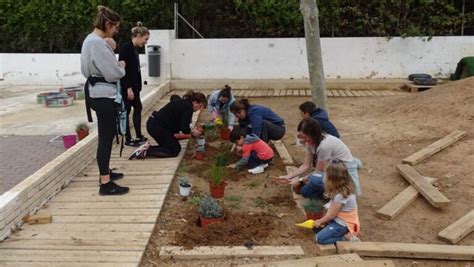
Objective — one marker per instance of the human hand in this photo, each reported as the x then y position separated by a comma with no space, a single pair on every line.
232,166
317,224
130,94
122,63
195,133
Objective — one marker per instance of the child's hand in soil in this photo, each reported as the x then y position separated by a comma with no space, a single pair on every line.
317,224
232,166
282,179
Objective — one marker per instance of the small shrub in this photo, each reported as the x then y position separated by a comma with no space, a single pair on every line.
314,205
234,201
209,208
222,159
217,174
196,200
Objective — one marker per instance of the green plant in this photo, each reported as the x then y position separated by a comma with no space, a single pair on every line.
209,208
222,159
82,126
252,184
234,201
314,205
196,200
184,181
260,202
217,174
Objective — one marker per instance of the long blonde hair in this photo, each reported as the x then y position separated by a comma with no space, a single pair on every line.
338,180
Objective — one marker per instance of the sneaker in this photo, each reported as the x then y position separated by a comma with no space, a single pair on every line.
114,176
111,189
141,139
264,165
257,170
140,152
131,142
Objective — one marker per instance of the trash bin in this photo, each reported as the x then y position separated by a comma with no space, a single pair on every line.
154,60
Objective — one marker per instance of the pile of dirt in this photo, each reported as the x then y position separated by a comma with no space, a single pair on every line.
238,229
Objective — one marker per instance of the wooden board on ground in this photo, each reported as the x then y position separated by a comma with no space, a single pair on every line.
283,152
70,255
400,202
225,251
434,196
299,199
459,229
38,219
434,148
377,263
407,250
308,262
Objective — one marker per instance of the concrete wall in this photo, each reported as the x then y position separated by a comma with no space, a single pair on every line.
267,58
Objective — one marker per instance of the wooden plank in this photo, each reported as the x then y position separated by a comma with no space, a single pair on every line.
407,250
122,182
124,198
135,191
400,202
336,93
434,148
70,256
283,152
94,212
342,93
106,205
322,249
329,93
66,264
307,92
435,197
106,219
91,236
349,93
459,229
377,263
38,218
91,227
149,172
308,262
114,245
356,93
226,251
95,187
298,198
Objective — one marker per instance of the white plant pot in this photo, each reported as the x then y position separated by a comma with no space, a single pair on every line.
184,191
201,141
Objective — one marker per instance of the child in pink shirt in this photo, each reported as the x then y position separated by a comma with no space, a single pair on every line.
256,154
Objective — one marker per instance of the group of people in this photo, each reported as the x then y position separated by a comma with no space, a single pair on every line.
333,171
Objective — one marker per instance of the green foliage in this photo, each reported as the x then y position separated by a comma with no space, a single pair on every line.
196,200
52,26
314,205
252,184
209,208
222,159
217,174
234,201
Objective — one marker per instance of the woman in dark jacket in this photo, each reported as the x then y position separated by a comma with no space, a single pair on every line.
263,122
131,83
170,124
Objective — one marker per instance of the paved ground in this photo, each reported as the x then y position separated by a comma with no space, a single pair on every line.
21,156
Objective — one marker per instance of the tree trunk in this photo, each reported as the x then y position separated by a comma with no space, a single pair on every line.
310,12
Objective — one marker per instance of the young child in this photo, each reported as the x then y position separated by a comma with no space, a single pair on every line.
111,42
256,154
341,220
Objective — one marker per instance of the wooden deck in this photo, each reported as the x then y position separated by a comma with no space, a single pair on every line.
93,230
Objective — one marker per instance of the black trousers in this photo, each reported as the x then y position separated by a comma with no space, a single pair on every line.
168,146
105,110
271,131
136,103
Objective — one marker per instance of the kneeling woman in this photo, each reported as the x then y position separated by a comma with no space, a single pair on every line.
320,149
263,122
170,124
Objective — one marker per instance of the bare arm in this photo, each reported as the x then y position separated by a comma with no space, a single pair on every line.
301,169
330,214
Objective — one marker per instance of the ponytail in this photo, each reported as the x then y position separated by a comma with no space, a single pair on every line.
238,105
226,92
140,30
195,96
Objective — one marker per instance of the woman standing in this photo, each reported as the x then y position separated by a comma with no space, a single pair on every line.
170,124
265,123
219,105
131,83
102,70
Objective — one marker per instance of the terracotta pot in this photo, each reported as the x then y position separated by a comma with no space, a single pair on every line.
199,156
207,221
225,134
314,215
217,191
82,134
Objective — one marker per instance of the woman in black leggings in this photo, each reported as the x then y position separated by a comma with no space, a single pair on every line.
170,124
102,70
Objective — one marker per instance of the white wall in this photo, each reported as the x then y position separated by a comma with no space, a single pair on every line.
268,58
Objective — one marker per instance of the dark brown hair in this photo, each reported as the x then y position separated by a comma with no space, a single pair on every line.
238,105
196,96
104,15
311,128
225,92
140,30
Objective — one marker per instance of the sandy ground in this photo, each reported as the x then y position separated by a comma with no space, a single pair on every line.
381,132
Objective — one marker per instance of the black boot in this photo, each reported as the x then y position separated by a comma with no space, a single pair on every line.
111,189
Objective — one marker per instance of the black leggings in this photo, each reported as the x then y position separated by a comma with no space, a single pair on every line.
136,103
271,131
107,128
168,146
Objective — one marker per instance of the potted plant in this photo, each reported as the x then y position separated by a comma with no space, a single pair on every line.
222,159
217,183
82,130
184,186
200,153
210,212
201,141
314,209
224,128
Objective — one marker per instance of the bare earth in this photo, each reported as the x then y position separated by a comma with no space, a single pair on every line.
381,131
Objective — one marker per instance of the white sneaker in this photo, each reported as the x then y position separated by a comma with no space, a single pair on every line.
257,170
264,165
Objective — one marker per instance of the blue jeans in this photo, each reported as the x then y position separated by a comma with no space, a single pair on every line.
331,233
254,161
314,188
353,170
